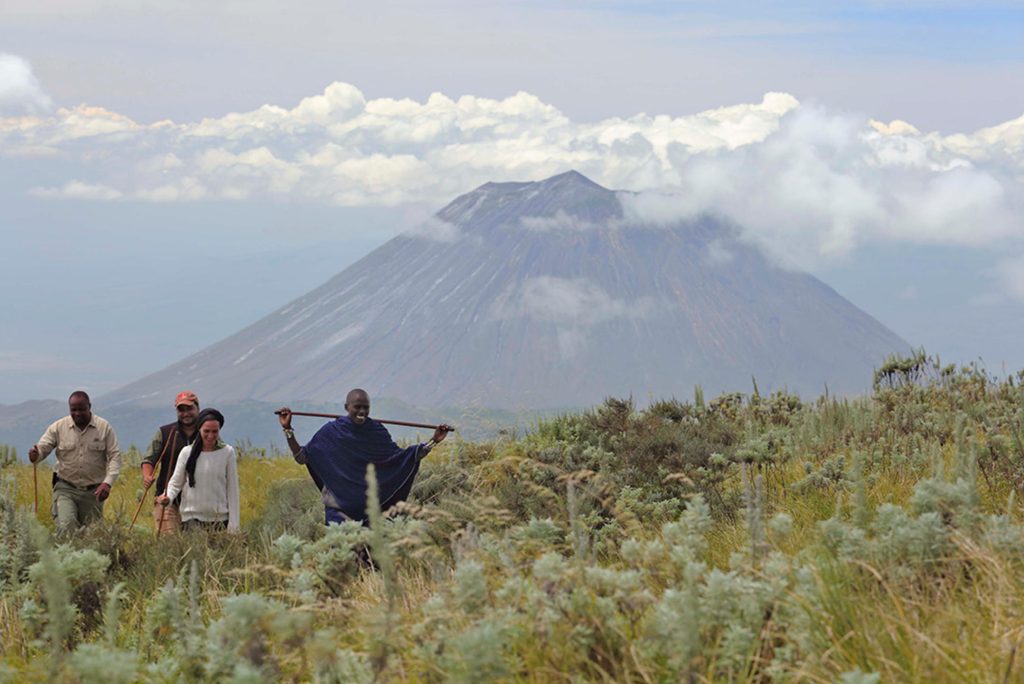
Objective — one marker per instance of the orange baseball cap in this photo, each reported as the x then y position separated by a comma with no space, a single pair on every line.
186,397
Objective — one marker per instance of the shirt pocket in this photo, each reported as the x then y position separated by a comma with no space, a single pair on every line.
97,446
66,447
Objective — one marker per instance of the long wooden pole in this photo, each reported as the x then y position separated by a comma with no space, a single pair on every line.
35,488
379,420
156,474
141,501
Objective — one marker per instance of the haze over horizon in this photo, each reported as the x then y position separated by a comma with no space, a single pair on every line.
159,195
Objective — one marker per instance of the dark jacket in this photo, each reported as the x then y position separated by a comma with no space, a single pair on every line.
168,442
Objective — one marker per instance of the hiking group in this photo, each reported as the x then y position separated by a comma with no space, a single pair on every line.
195,472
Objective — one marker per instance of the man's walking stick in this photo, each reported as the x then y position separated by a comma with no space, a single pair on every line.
379,420
160,464
142,500
35,488
160,525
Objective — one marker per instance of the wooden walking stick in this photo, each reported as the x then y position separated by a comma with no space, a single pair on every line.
160,464
160,525
142,500
35,488
379,420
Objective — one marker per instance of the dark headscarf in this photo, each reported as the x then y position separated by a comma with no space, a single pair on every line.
197,446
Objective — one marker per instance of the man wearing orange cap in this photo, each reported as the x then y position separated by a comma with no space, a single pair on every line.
168,441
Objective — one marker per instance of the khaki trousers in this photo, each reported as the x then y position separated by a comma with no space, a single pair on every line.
73,507
171,522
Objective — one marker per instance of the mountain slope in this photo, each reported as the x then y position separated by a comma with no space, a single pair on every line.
537,295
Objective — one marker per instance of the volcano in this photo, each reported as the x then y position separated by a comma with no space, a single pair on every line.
541,295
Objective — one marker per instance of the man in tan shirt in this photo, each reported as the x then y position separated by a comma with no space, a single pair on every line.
88,463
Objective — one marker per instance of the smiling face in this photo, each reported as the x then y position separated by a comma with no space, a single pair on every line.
357,404
187,414
209,432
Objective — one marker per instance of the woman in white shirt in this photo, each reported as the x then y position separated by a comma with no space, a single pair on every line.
206,475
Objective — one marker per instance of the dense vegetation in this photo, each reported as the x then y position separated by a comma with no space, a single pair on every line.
745,538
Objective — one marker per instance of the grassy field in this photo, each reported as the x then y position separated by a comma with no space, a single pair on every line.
256,475
746,538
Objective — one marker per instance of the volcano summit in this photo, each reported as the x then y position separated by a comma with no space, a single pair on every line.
540,295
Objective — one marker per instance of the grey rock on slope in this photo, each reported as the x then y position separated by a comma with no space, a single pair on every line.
534,295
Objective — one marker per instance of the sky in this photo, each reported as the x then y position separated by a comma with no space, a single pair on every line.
171,171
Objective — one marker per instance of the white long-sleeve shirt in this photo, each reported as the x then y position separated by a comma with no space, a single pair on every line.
215,496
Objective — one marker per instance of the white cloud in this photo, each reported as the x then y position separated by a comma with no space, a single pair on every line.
340,148
804,182
77,190
824,184
433,228
560,221
718,254
572,305
183,189
571,301
20,92
84,121
895,127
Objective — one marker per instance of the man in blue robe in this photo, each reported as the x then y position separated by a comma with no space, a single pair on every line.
340,451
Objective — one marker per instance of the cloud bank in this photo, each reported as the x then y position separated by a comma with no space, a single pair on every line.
804,182
824,184
340,148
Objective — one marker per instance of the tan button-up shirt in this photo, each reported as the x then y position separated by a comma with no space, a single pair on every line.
84,457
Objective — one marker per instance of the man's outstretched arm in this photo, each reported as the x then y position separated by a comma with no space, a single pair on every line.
439,434
285,416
